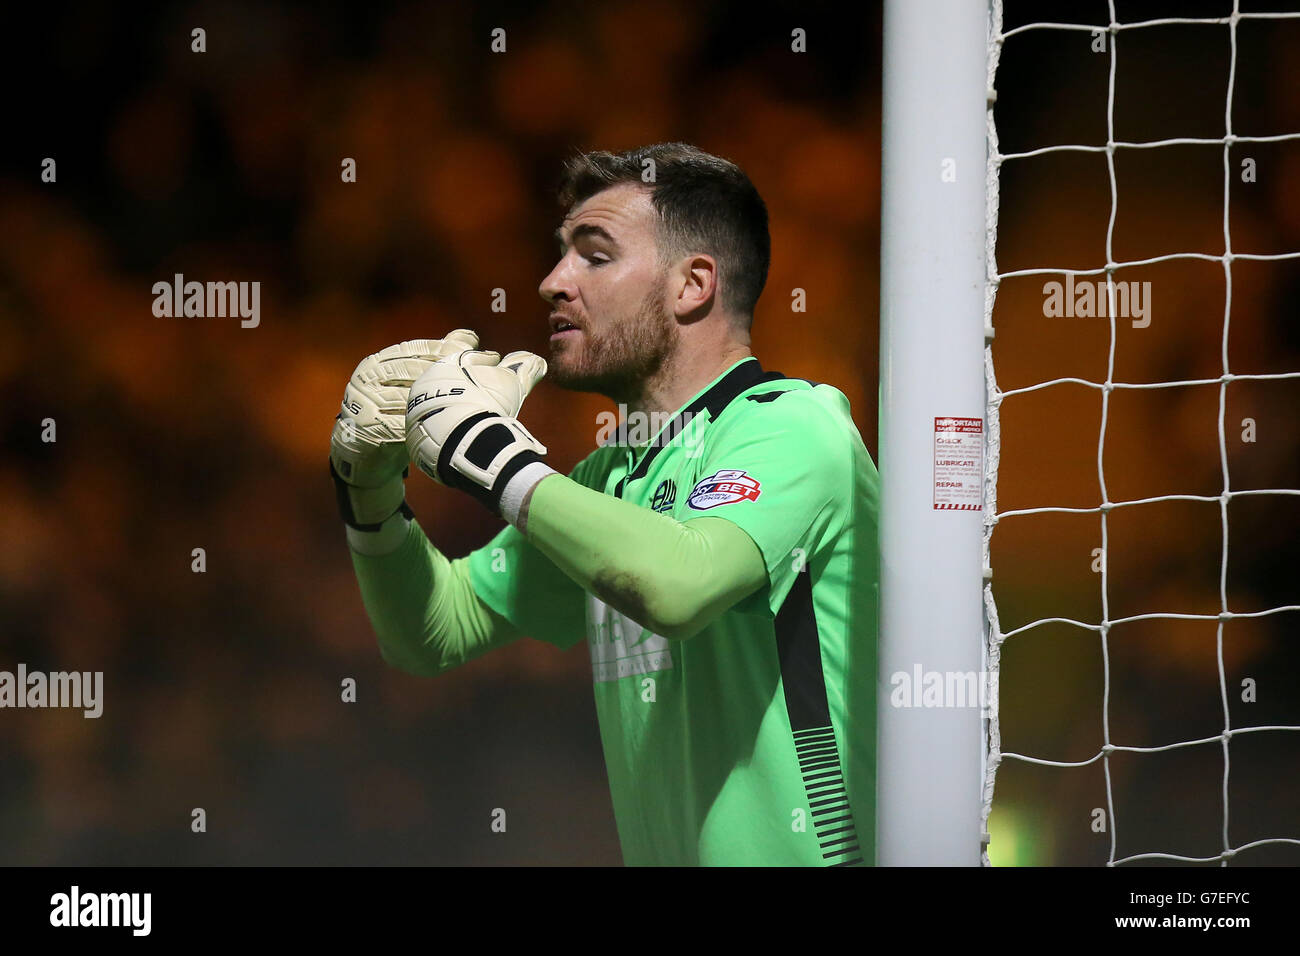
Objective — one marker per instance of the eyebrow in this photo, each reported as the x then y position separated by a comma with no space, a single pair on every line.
586,229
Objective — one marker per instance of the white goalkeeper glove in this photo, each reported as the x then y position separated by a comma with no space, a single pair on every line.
462,432
368,457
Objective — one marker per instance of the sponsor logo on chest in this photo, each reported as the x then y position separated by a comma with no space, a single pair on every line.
726,487
620,647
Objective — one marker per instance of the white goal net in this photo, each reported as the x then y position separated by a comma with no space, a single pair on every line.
1154,344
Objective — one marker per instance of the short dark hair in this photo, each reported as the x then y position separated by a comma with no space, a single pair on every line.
705,204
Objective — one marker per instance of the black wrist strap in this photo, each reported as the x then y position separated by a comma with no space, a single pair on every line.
344,501
486,445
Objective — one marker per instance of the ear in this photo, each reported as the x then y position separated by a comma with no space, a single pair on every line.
697,286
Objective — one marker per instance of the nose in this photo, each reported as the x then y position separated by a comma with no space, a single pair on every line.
557,285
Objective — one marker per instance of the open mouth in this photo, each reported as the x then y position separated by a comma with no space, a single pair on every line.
561,327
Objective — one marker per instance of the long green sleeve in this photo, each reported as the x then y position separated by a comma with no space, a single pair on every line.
670,576
425,613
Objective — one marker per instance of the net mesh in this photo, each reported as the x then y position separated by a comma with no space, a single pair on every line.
995,637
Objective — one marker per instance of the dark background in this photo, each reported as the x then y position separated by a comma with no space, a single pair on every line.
222,688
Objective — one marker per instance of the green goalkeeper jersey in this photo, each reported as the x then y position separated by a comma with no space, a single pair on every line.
753,741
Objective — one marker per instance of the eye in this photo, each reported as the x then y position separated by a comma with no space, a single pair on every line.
596,261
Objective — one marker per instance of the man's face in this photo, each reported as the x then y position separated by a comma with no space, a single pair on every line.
609,287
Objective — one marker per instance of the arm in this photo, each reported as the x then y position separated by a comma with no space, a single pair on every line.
425,613
675,578
423,609
672,577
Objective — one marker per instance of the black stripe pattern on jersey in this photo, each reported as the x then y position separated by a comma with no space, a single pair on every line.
799,651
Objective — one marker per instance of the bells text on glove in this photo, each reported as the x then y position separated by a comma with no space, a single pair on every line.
437,393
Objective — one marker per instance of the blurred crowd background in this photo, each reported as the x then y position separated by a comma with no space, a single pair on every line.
222,689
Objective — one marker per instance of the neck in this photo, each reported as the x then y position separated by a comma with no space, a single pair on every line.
683,375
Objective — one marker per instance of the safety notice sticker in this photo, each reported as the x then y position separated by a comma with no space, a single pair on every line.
959,464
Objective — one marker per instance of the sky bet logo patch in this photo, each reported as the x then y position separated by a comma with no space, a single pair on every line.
723,488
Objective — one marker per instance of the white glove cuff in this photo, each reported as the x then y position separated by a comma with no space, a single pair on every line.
389,537
512,497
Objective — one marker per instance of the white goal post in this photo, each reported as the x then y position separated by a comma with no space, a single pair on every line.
932,282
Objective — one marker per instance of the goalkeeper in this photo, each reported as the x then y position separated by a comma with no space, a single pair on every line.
723,572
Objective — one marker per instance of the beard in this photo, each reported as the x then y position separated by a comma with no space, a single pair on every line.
618,361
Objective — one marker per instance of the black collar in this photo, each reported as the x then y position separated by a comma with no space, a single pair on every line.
717,397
